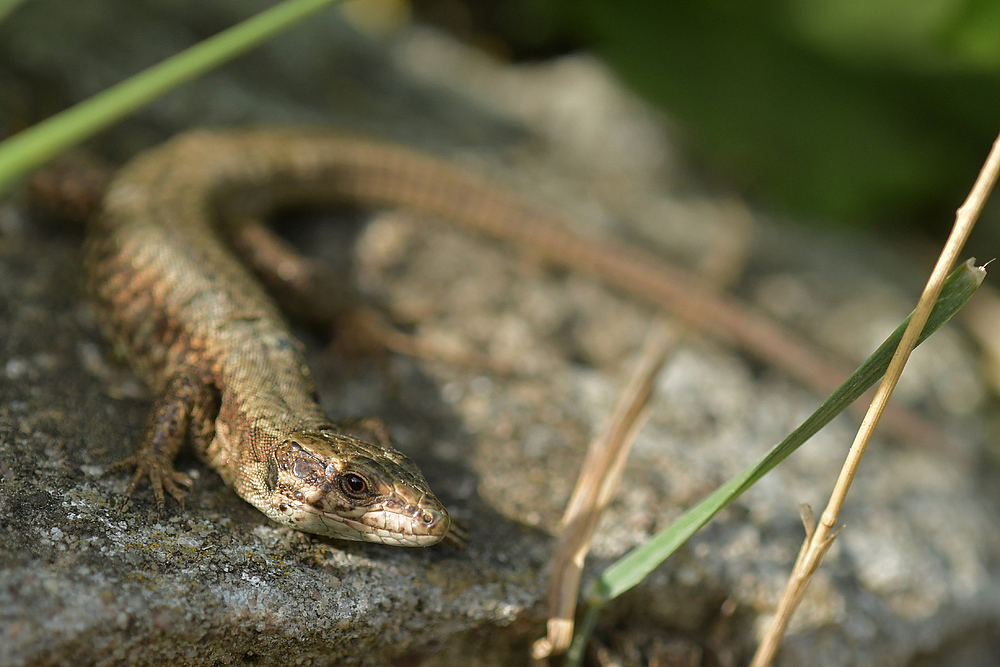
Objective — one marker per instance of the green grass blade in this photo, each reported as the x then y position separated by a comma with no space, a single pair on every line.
635,565
32,147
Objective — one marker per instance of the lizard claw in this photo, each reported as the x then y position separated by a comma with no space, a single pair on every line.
162,477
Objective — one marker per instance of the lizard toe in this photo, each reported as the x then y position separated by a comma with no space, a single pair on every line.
162,478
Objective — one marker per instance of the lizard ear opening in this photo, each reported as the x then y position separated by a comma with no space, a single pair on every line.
272,475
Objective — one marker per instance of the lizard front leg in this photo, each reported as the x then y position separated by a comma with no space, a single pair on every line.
184,411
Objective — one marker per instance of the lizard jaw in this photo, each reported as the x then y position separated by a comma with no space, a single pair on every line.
382,526
334,484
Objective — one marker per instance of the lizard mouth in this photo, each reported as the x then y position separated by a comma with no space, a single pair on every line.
404,526
338,485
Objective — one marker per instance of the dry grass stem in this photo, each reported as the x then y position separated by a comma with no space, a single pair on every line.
818,542
595,487
607,453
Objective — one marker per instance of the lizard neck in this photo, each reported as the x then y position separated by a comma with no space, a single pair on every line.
265,395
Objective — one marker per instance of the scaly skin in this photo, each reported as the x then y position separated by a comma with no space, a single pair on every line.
228,375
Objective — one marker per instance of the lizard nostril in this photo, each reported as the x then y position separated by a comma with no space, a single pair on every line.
431,518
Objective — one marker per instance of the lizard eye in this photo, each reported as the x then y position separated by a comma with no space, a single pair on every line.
353,485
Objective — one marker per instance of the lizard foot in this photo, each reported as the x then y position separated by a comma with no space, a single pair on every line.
365,331
458,534
184,411
162,477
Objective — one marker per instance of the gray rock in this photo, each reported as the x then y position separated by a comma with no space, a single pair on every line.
84,581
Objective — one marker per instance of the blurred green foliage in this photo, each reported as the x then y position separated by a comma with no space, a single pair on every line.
852,110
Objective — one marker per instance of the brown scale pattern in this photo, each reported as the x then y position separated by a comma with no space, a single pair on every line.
202,333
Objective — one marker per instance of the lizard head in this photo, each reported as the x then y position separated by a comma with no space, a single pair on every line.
331,483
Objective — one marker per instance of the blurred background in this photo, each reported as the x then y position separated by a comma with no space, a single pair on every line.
846,112
841,112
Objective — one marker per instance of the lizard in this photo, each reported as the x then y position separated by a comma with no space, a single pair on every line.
226,372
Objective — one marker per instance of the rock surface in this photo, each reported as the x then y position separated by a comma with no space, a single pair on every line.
83,581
